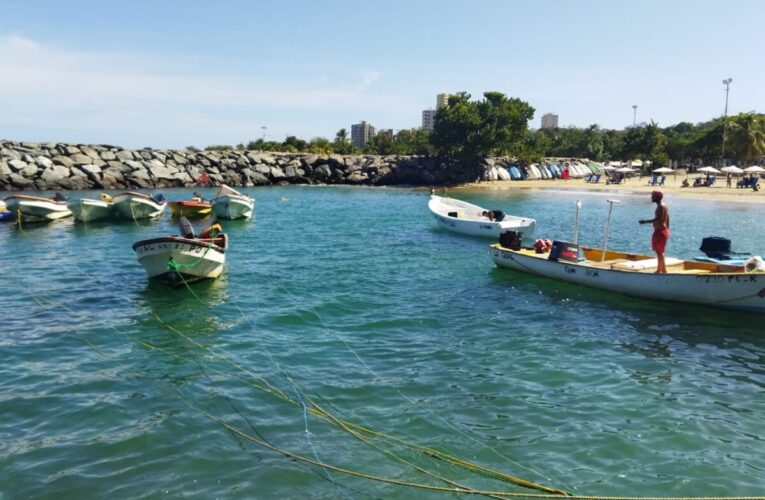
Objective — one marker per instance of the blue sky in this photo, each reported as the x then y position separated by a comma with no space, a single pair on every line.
178,73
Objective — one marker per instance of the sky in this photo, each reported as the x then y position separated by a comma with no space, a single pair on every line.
172,73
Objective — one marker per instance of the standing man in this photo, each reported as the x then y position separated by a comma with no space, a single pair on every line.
660,230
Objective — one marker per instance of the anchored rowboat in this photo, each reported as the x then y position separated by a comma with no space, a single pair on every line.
185,258
463,217
706,283
231,204
132,205
88,209
36,208
193,209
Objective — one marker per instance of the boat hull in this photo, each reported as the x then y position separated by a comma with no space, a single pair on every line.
87,210
192,259
731,290
190,209
33,209
137,206
468,219
233,207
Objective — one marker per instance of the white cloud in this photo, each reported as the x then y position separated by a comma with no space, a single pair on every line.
55,86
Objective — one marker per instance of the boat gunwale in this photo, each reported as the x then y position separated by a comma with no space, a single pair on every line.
200,242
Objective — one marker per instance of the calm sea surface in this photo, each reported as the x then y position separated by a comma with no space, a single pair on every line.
352,300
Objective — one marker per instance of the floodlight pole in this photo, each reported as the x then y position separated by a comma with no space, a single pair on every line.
727,83
634,115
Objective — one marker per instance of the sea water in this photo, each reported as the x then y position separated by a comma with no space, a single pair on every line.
352,300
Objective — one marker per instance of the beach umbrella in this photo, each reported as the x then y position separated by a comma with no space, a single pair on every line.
754,169
663,170
609,167
709,170
732,169
625,169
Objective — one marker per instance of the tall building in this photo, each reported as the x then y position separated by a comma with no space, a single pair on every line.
361,133
549,120
442,100
386,132
428,119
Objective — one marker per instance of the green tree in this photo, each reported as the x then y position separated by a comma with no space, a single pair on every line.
745,136
319,145
468,129
342,145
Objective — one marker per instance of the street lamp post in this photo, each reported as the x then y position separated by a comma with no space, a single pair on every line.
634,115
727,83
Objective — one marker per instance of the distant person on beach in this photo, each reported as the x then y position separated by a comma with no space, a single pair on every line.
728,179
488,215
685,183
660,230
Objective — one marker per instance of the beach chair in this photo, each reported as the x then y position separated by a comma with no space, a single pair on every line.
711,181
661,181
698,182
653,180
597,179
755,183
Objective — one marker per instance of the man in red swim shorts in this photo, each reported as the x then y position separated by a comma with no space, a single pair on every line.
660,230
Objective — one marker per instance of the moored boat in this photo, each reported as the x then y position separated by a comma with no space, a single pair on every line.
4,213
231,204
88,209
185,258
132,205
36,208
704,283
463,217
193,209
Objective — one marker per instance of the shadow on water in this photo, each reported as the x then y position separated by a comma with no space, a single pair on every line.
693,324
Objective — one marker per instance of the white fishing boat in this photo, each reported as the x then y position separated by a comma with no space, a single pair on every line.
88,209
185,258
132,205
231,204
705,283
36,208
466,218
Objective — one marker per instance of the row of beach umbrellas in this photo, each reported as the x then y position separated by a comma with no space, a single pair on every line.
732,169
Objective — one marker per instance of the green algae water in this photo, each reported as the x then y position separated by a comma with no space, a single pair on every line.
352,300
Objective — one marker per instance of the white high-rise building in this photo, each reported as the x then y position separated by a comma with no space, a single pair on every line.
428,119
361,133
549,120
442,100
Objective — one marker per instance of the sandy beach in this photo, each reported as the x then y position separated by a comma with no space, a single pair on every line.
634,185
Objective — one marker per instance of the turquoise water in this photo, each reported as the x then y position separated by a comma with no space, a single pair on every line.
354,300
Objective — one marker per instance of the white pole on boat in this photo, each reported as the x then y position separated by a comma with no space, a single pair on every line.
576,222
608,224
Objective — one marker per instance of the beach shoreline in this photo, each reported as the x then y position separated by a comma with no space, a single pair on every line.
634,185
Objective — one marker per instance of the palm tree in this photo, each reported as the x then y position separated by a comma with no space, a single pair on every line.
745,135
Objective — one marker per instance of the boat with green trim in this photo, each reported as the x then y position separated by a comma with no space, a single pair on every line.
180,259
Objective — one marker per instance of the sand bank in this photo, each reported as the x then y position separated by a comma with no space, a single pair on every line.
634,185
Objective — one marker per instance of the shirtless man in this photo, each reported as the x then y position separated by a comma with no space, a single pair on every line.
660,230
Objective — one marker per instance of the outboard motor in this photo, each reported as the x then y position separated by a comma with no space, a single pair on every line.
159,197
187,230
511,239
716,247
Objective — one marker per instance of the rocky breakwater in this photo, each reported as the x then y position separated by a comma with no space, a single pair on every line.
26,166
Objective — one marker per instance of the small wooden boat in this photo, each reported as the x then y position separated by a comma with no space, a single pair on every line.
196,208
5,215
133,206
185,258
88,209
231,204
466,218
705,283
36,208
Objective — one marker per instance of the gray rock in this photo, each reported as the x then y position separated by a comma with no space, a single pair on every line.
29,171
108,156
4,169
276,173
179,159
291,172
125,155
54,174
43,161
323,171
90,152
357,178
10,154
21,182
18,165
91,171
81,159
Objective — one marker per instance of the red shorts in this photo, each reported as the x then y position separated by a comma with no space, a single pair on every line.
659,240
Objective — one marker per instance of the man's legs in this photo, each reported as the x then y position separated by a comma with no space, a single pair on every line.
661,268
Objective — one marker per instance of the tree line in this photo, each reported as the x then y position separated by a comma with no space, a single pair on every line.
496,124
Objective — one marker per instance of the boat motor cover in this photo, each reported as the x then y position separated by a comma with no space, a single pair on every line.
716,247
565,251
187,230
